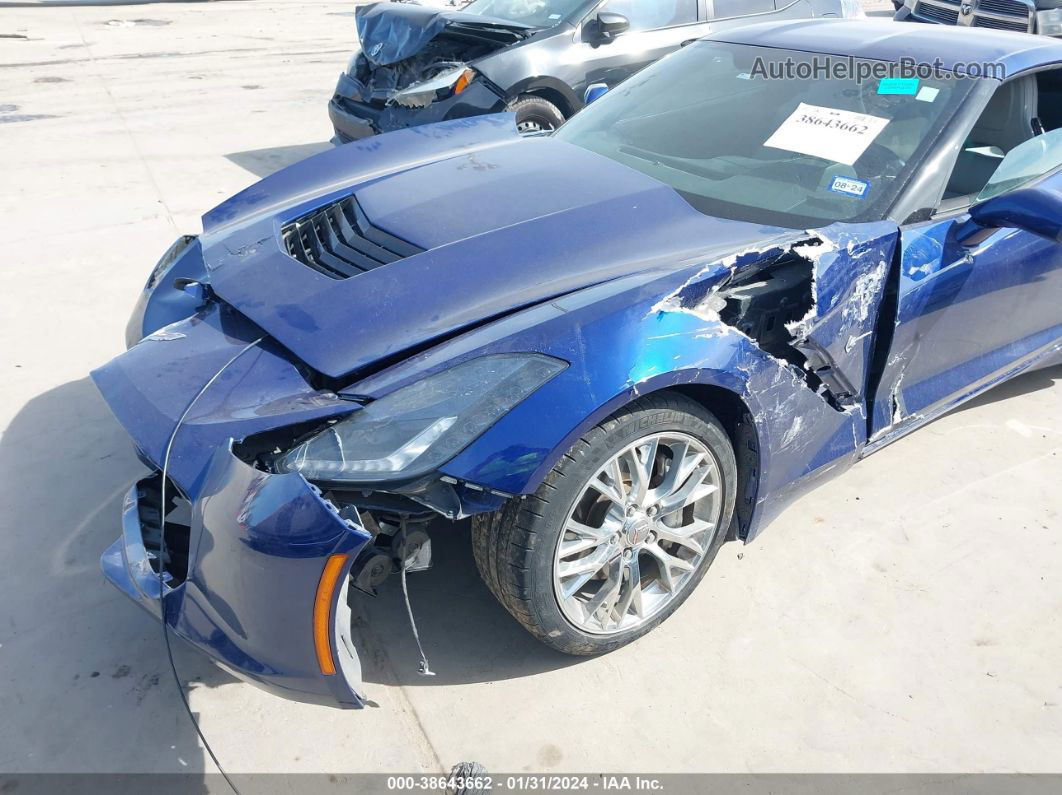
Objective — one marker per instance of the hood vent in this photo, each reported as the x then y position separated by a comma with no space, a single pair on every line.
339,241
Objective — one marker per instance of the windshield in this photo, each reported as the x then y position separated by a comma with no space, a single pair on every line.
534,13
710,122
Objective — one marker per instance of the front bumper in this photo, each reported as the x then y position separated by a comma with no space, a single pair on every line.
258,545
353,119
250,550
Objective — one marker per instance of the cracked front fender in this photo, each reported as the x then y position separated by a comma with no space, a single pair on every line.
623,342
799,435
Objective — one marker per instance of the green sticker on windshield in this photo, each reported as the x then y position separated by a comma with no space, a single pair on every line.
903,86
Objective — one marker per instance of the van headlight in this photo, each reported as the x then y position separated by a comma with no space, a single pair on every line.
419,427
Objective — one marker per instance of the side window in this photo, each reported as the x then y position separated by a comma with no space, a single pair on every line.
1049,86
737,8
1025,163
1012,141
653,14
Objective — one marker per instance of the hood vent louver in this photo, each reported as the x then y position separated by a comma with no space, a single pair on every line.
339,241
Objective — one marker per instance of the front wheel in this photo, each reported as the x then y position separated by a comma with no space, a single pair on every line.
535,115
620,531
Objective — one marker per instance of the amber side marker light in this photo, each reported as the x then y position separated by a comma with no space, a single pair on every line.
322,611
464,80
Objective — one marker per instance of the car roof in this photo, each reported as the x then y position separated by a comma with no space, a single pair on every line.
884,40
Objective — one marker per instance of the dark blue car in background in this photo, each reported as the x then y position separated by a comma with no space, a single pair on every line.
615,347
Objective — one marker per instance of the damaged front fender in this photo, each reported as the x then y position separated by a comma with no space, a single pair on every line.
746,323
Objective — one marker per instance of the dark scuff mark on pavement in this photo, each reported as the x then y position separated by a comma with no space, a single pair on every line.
8,115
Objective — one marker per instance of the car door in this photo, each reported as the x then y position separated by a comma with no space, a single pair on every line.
970,314
657,27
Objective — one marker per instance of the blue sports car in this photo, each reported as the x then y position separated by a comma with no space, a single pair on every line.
615,347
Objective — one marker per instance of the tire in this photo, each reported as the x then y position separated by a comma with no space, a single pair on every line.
519,549
536,115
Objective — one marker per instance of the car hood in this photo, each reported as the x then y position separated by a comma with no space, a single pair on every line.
504,223
392,32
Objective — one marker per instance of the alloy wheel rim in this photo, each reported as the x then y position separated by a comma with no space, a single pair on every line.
637,533
533,126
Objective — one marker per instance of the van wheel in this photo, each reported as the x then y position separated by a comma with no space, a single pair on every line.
535,115
620,531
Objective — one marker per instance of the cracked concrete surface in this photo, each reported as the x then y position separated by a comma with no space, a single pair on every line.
903,618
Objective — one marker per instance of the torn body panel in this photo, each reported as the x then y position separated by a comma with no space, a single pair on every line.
838,335
812,302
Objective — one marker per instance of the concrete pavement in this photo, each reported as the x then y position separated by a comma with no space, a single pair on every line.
904,618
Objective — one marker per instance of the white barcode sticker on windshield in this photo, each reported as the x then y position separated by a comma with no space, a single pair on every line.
837,135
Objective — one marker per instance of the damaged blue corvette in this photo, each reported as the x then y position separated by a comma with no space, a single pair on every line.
615,347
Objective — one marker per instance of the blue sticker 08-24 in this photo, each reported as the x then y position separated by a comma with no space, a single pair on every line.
850,186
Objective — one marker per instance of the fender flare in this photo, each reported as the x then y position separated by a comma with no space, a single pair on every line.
727,382
549,88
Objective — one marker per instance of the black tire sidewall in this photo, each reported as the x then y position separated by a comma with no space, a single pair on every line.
566,483
536,107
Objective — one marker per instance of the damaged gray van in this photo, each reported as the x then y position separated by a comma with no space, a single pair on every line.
541,59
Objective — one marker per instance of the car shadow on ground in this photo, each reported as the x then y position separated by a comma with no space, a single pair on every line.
467,635
86,683
1024,384
263,162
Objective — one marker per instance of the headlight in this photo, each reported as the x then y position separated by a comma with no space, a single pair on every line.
421,426
1049,23
449,83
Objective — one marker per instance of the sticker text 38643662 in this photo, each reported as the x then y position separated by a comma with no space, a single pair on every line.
838,135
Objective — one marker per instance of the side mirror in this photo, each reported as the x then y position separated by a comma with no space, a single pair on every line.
606,26
1036,210
594,91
